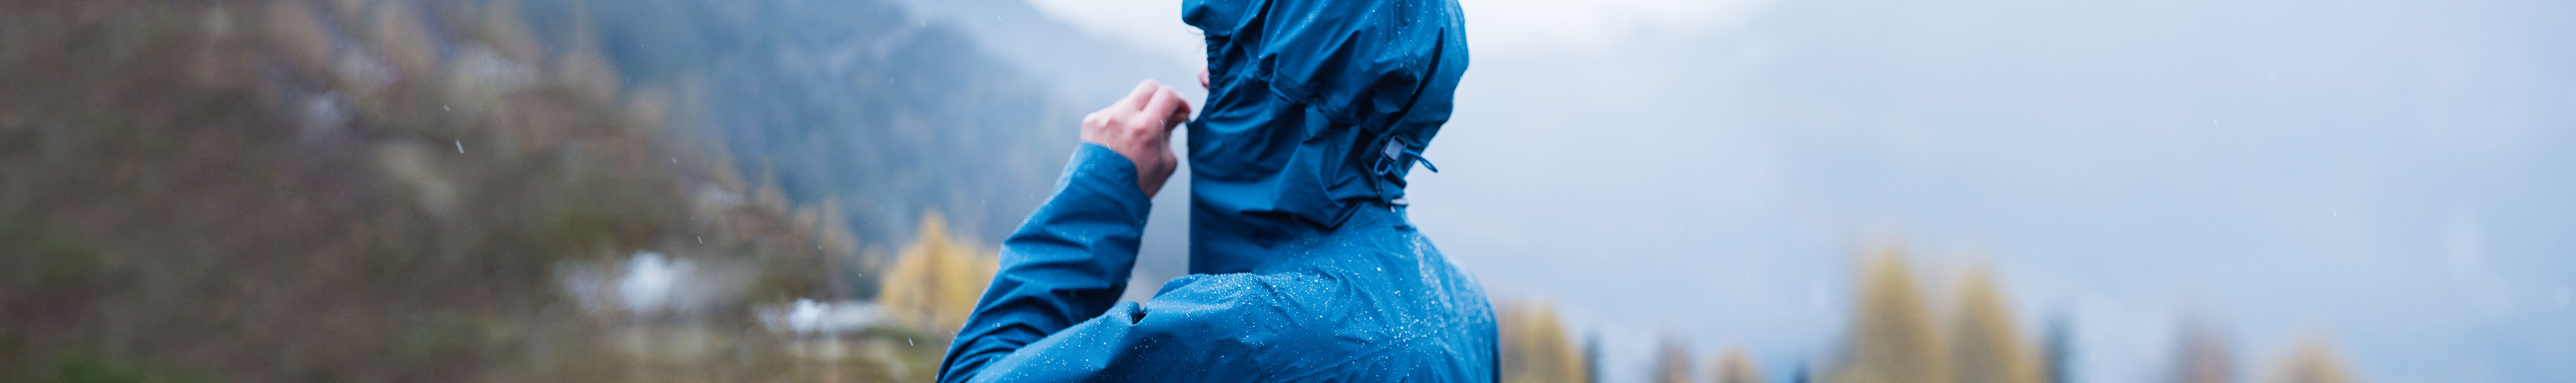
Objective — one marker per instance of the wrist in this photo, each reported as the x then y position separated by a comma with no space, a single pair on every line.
1148,167
1096,164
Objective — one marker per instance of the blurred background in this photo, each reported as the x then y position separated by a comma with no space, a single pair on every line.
1854,191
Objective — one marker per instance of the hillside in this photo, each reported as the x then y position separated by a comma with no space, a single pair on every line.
355,190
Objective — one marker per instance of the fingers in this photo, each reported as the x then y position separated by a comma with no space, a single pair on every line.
1180,105
1137,98
1128,127
1168,106
1203,79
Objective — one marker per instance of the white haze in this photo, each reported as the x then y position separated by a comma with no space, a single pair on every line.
2393,175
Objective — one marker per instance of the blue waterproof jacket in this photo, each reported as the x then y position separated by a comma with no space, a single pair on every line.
1303,264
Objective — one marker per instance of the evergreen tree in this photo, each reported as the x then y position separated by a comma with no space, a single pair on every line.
2060,351
1672,363
2203,356
1592,357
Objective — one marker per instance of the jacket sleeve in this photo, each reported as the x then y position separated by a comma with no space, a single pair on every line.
1199,328
1066,264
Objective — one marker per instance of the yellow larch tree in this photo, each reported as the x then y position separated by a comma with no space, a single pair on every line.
1535,347
1892,337
1736,366
935,281
1985,346
2312,361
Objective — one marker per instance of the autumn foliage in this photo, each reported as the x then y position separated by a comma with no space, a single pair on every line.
935,281
1736,366
1535,347
1893,337
1985,345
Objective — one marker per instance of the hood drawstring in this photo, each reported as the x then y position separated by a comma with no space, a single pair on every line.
1394,155
1396,149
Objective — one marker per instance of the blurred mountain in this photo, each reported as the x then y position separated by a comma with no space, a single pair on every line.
860,101
893,108
1088,70
1084,66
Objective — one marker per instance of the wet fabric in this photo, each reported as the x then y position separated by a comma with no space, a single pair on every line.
1304,266
1316,110
1371,301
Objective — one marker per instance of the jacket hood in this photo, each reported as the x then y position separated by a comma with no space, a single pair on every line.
1315,109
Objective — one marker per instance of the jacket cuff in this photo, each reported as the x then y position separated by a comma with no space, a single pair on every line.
1097,173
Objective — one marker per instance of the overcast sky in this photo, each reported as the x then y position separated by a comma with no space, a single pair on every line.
2393,175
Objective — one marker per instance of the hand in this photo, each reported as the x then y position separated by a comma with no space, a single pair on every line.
1140,128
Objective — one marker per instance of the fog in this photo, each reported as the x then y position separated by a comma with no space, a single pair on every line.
2389,174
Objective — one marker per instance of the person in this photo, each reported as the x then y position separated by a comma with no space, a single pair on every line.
1303,264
